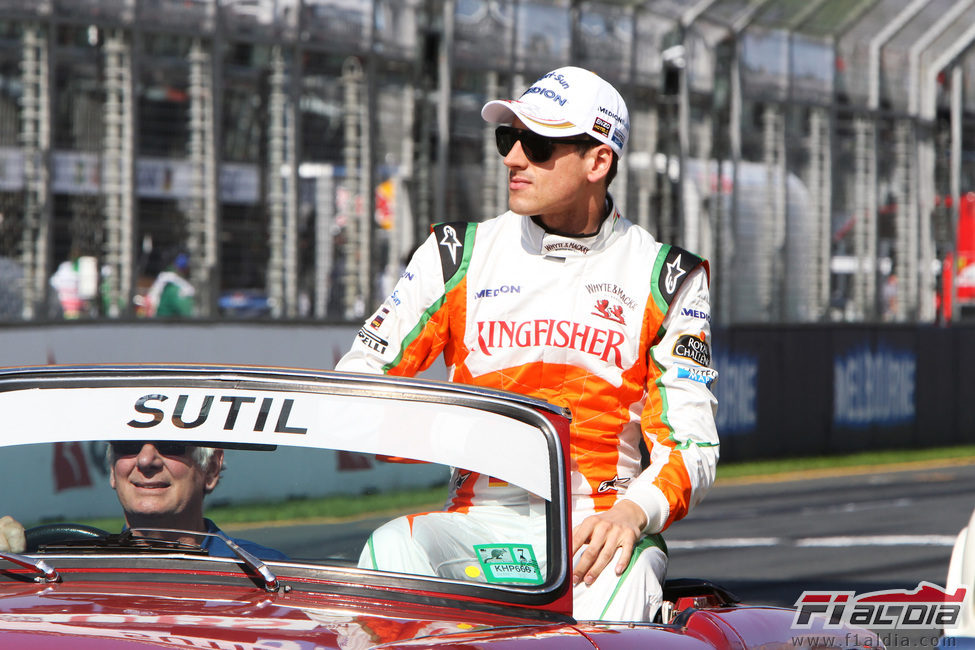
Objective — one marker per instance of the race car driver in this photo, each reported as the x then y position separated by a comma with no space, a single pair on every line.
563,299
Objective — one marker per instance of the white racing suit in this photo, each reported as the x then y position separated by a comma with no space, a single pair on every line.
615,327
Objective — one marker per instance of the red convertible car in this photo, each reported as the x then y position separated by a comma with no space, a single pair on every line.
105,472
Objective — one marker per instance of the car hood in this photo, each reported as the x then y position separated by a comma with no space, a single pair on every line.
134,617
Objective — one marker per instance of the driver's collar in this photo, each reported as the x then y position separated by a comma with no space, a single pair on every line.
607,208
538,239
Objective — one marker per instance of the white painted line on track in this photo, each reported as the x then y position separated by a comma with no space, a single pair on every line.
814,542
727,542
879,540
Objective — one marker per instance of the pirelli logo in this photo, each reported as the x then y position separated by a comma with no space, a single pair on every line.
373,341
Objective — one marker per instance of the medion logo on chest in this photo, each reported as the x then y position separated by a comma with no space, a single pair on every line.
499,291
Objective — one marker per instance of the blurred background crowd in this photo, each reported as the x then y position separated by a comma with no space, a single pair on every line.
279,159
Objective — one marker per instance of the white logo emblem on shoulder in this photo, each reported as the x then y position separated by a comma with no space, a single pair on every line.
616,484
674,272
451,242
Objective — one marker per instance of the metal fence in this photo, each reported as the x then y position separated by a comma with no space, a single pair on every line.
295,151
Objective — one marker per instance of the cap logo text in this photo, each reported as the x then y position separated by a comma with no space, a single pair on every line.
547,93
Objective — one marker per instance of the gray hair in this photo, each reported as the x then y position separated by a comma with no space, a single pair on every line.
202,457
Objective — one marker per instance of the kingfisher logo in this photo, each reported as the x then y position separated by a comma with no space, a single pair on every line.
925,607
497,335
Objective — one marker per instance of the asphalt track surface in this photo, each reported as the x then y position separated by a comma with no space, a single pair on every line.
866,530
870,529
767,540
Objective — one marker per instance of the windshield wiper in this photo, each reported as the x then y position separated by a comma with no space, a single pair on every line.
249,559
252,561
124,540
132,543
50,573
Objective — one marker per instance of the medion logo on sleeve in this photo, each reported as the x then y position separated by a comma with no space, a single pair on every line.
690,312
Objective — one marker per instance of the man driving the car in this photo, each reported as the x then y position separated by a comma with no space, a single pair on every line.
160,485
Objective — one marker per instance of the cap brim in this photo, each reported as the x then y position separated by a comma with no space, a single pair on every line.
504,111
498,112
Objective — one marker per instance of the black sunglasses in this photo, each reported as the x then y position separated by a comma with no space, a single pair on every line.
133,447
537,148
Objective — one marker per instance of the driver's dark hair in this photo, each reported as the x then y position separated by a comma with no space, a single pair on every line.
614,166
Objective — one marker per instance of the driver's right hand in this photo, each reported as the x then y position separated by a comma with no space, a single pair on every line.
11,535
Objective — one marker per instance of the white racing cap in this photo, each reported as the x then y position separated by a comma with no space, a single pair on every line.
566,102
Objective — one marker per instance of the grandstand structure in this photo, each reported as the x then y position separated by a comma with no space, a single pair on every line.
296,151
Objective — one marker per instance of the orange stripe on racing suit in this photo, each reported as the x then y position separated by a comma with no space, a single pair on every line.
616,327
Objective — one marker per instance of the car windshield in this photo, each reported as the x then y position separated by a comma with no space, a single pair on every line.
327,473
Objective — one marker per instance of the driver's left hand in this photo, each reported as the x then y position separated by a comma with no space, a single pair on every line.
618,528
11,535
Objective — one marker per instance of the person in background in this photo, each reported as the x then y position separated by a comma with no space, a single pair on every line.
563,299
160,485
172,295
75,282
12,294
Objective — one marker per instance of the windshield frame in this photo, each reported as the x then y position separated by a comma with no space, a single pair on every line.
549,423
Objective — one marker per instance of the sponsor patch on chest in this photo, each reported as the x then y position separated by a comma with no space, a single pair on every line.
611,302
497,335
